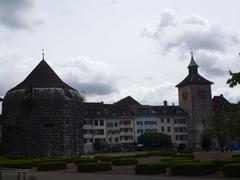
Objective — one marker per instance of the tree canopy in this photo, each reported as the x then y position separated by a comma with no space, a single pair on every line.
234,80
155,140
224,127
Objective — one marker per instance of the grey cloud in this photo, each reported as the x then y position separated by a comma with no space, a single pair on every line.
89,76
19,14
192,32
93,88
210,64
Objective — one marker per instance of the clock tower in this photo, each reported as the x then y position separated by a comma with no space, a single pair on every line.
195,97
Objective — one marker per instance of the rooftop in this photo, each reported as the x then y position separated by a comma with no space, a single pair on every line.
42,76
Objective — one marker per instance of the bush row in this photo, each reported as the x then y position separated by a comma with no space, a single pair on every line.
94,167
231,170
193,169
51,166
151,168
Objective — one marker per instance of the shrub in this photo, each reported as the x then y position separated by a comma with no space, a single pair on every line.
48,166
150,168
94,167
104,158
84,161
219,164
19,164
124,161
190,156
231,170
193,169
236,156
177,159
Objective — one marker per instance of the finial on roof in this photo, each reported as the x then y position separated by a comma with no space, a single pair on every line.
192,62
43,54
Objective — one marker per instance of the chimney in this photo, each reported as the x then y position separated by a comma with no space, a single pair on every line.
173,104
165,103
221,95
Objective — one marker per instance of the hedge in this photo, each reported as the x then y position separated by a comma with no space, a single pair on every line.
236,155
94,167
48,166
104,158
84,161
193,169
231,170
176,159
124,161
151,168
219,164
17,164
190,156
155,154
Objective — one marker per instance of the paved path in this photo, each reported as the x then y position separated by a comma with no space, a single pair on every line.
96,176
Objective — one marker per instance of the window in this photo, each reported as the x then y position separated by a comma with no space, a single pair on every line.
88,131
162,120
168,120
139,123
180,121
140,131
125,129
115,124
99,131
109,124
110,139
95,122
116,139
150,123
101,123
169,129
125,122
162,128
177,137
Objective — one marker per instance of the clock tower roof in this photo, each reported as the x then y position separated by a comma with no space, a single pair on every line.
193,76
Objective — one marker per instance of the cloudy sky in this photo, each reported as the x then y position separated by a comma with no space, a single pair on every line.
109,49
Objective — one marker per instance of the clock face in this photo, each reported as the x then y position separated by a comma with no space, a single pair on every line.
185,95
201,93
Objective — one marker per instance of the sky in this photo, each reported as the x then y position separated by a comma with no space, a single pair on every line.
110,49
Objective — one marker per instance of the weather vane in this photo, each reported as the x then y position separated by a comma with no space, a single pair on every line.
43,54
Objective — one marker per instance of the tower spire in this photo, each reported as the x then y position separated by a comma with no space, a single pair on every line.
192,62
43,54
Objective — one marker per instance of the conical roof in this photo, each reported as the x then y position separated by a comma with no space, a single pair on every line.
42,76
192,62
193,76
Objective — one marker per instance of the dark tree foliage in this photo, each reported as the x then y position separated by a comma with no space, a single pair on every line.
155,140
205,142
224,127
234,80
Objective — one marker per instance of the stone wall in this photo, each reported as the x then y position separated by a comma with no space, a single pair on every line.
43,122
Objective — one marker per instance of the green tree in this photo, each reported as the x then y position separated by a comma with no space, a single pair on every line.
155,140
222,126
234,80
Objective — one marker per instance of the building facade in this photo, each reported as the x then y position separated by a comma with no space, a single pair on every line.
117,127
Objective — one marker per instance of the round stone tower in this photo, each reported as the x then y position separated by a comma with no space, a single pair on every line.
41,117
